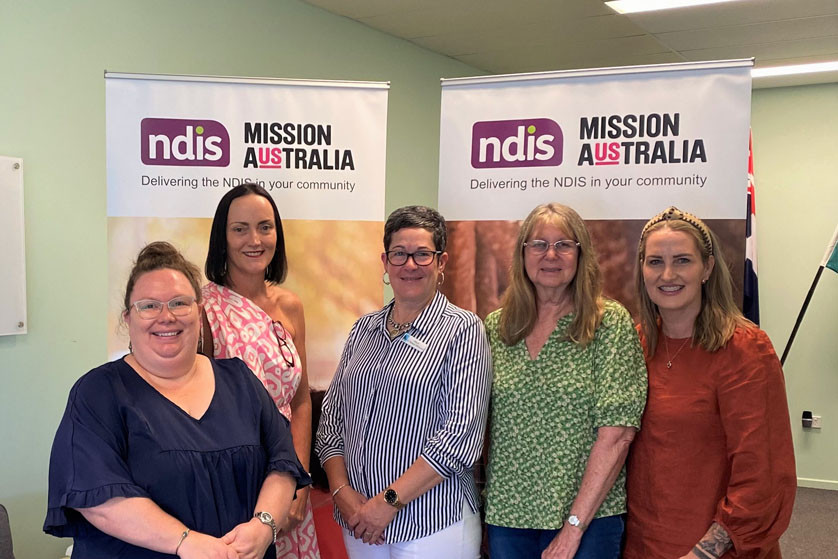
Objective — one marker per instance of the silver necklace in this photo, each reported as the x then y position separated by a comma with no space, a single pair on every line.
668,358
397,326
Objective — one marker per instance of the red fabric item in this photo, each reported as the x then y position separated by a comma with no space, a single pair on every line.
329,533
715,445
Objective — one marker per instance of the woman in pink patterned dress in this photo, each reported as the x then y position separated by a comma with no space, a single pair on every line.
248,315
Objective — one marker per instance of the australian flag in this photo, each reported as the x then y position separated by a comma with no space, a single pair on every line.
750,304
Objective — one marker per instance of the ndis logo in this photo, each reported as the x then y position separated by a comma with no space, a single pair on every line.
185,142
534,142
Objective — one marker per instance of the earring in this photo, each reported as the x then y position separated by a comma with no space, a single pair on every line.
703,281
130,349
385,277
441,278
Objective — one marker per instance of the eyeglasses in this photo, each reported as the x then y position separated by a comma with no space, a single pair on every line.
282,341
150,308
539,247
420,257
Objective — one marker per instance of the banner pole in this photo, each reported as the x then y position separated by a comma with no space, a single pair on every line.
800,316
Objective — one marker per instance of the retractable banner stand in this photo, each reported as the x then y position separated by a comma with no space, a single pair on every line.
618,145
177,144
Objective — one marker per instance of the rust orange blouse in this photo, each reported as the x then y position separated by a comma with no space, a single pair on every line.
715,445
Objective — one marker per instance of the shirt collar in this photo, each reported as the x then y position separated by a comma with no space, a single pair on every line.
423,323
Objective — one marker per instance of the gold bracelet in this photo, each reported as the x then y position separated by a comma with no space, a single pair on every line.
182,537
335,492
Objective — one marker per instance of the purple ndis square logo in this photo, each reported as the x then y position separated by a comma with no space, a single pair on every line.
184,142
533,142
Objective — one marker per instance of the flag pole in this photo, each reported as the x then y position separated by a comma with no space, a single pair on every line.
800,316
828,259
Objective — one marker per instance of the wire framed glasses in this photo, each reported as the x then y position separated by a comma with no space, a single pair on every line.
151,308
539,247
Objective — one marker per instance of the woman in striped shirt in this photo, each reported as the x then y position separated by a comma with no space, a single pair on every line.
403,420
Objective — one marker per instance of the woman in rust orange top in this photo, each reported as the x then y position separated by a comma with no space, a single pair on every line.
711,473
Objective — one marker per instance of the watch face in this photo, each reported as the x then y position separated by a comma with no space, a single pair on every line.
265,517
391,497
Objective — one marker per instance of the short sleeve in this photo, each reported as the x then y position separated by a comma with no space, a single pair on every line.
87,462
757,504
276,434
619,370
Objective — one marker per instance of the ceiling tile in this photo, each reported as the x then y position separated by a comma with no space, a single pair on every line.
731,35
732,13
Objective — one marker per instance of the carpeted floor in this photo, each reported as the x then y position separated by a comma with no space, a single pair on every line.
813,532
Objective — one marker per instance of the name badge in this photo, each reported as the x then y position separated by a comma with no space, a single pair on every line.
415,343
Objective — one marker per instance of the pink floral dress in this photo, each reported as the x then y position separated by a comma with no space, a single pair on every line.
241,329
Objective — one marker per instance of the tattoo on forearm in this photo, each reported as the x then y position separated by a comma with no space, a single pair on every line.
714,544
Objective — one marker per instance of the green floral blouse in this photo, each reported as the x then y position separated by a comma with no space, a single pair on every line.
545,413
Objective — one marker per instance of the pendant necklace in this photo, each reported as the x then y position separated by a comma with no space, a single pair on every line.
668,358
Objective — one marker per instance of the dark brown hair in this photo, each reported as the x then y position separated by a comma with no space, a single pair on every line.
417,217
216,265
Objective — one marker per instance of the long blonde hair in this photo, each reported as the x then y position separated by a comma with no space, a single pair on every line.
719,315
519,308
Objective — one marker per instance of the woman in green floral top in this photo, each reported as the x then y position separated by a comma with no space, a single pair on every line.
567,396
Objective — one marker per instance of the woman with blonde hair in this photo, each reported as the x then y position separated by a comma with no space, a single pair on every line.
568,391
712,473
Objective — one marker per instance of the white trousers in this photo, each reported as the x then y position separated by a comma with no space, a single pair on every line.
461,540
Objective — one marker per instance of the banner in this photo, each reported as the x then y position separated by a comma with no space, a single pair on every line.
618,145
177,144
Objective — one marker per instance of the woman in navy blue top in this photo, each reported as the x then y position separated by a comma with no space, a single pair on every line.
165,452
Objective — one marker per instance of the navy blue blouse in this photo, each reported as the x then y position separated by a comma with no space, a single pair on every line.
120,437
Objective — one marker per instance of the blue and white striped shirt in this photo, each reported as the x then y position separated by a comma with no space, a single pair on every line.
392,402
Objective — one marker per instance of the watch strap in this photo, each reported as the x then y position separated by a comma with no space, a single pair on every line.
268,520
392,498
574,520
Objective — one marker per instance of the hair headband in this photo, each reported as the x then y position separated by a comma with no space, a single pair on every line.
671,214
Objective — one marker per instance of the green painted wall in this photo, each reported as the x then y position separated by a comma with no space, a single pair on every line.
52,114
796,168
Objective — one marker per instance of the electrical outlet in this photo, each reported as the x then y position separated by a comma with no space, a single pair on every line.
816,422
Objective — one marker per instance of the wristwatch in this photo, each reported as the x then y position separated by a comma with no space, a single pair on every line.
266,518
573,520
392,499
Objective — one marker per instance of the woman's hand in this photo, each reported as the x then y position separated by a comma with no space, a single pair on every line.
201,546
298,510
348,501
565,544
371,519
249,540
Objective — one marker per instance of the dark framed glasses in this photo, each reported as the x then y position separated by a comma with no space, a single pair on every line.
420,257
281,335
